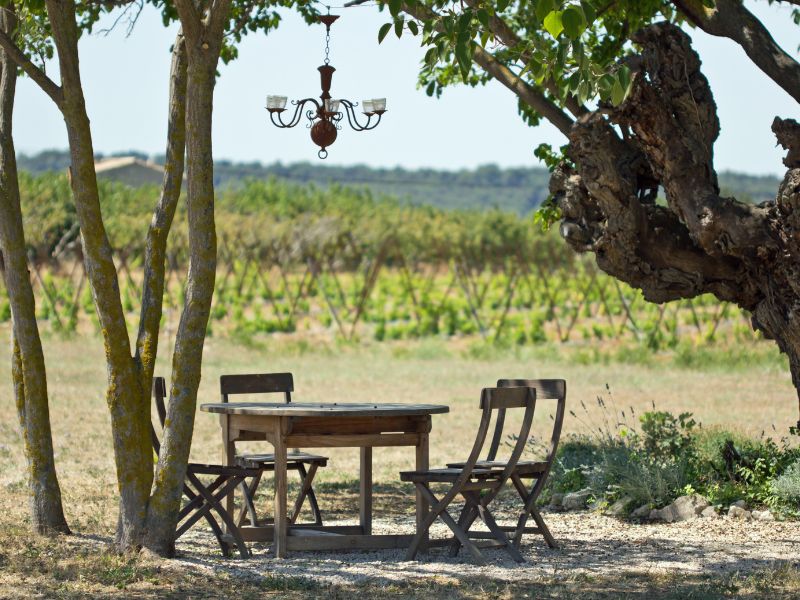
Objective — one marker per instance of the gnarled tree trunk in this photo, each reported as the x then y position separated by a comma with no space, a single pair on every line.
700,242
28,367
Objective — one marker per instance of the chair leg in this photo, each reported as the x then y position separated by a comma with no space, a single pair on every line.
529,499
200,507
498,533
212,501
212,522
465,520
306,490
248,507
451,523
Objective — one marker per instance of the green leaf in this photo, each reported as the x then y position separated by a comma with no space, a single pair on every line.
544,8
617,93
383,31
553,24
395,6
483,17
413,27
464,59
502,5
574,81
583,92
398,26
431,56
588,11
624,76
573,21
605,84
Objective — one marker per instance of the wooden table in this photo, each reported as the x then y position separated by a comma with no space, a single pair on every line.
334,425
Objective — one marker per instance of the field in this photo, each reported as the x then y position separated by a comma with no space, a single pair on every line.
365,299
719,394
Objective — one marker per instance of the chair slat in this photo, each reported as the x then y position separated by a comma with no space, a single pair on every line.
505,397
546,389
257,383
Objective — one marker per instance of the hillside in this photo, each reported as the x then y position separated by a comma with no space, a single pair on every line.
516,189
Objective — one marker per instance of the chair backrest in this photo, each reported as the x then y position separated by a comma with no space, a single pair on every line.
159,396
502,399
546,389
258,383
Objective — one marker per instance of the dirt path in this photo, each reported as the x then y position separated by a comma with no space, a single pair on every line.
591,545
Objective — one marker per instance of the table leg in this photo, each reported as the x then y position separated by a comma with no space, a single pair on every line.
228,459
281,519
423,464
365,491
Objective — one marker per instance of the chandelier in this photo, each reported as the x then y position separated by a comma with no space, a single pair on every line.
324,119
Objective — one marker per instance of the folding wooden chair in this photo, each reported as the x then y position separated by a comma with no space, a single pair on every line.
546,389
271,383
203,499
478,486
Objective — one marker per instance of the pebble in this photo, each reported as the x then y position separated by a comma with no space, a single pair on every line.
590,544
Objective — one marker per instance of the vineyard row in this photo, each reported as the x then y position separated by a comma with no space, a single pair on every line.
513,301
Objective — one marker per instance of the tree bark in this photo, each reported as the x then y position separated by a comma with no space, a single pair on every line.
701,242
28,367
158,233
130,416
203,39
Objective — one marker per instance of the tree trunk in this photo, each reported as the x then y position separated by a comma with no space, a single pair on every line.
28,367
158,233
700,242
203,44
130,416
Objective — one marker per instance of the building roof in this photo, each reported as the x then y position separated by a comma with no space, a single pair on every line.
130,170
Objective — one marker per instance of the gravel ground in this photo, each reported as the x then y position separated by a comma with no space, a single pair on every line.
590,544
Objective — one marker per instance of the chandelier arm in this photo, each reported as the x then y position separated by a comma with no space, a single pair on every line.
298,111
353,119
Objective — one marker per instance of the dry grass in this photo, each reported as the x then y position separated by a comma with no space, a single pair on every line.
79,567
750,401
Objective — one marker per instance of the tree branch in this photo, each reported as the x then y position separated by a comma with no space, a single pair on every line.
507,35
191,21
218,17
527,93
31,70
732,20
156,245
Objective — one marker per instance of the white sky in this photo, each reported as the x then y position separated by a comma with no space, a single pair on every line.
126,82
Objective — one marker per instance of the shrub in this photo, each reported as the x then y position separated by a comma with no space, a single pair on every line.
667,456
666,437
787,486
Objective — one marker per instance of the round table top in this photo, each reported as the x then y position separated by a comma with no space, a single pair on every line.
329,409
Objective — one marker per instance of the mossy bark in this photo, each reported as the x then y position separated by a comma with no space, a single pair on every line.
203,38
130,415
28,366
156,244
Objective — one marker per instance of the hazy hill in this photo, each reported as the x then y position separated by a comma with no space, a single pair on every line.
519,190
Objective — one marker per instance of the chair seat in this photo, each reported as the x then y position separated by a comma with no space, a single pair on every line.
523,468
446,474
268,460
231,471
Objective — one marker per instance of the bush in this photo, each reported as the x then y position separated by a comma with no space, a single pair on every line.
667,456
787,486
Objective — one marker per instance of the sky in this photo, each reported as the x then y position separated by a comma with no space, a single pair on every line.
126,83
